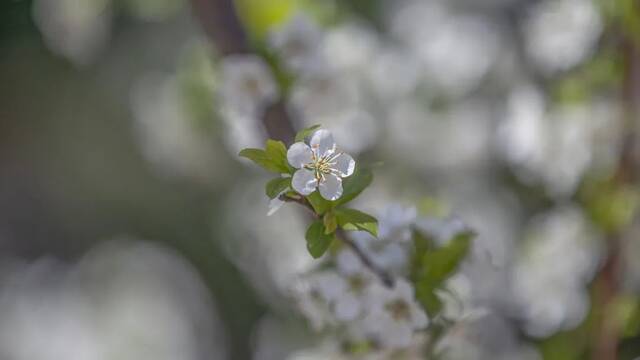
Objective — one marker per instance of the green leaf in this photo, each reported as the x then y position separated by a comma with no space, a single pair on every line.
275,186
351,219
261,158
330,222
354,185
432,267
277,152
441,263
319,204
428,299
302,134
317,240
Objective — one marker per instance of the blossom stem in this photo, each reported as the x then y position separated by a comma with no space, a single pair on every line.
340,234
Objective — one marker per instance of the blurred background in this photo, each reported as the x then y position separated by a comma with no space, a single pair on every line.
130,229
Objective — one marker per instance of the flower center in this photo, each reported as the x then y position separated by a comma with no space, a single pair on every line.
399,309
322,165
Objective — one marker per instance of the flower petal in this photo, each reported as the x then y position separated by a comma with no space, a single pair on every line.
322,143
299,154
274,205
304,181
344,164
331,187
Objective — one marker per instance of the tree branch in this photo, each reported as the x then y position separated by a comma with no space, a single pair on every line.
340,234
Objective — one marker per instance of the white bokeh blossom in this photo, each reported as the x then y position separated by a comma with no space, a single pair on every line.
394,315
320,166
247,84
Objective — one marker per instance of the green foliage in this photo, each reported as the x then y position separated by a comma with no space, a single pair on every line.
273,159
330,222
277,185
260,16
302,134
433,266
319,204
354,185
277,151
351,219
317,240
610,206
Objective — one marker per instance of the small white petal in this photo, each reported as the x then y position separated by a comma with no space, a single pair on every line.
348,262
345,165
299,154
304,182
274,205
330,187
418,318
347,308
322,142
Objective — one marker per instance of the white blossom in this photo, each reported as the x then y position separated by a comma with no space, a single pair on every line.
394,315
319,166
298,43
247,84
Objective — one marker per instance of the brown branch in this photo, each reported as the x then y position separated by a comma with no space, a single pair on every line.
608,281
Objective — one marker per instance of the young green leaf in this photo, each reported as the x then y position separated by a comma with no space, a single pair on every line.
319,204
351,219
317,241
440,264
354,185
261,158
277,152
432,267
426,296
277,185
302,134
330,222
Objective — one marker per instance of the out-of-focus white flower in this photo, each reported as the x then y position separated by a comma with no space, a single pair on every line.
75,29
359,282
549,279
314,295
168,136
247,84
92,310
442,230
350,47
393,315
298,43
457,300
456,50
325,94
562,33
319,166
554,146
395,222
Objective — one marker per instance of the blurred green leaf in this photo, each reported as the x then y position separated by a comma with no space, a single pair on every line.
427,297
302,134
317,240
433,266
351,219
330,222
260,16
275,186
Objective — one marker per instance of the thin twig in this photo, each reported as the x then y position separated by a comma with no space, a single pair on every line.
340,234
